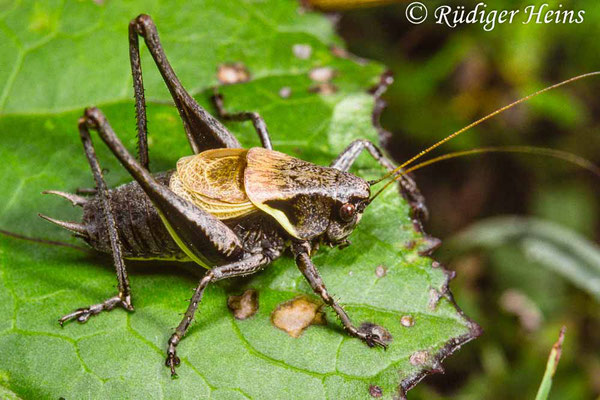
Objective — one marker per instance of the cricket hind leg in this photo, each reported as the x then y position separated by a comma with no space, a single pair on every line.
257,121
348,156
123,297
203,130
203,237
243,267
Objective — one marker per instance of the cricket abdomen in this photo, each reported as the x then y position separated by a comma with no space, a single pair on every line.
141,230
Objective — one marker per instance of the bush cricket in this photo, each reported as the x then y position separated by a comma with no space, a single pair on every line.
228,209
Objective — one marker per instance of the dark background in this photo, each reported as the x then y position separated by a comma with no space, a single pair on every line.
446,78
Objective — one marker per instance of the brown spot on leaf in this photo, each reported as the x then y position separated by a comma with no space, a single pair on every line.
380,271
295,315
229,73
321,74
375,391
419,357
339,51
429,245
323,88
245,305
410,244
302,51
343,53
407,321
434,298
285,92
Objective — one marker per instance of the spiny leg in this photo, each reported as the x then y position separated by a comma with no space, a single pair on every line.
305,265
348,156
123,297
243,267
259,123
203,237
203,130
140,98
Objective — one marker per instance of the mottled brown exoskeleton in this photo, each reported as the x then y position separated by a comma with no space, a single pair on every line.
228,209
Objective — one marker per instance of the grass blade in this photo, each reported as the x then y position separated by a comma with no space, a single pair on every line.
551,365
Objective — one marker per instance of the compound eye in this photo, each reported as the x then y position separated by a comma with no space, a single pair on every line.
347,212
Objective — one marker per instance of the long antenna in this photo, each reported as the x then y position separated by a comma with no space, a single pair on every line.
542,151
466,128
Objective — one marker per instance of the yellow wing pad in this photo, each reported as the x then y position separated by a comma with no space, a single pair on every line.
214,181
294,192
216,174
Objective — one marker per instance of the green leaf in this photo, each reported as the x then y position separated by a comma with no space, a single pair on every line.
6,394
63,57
551,365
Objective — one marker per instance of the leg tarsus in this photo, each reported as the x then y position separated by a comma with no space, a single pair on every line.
371,337
82,315
301,252
172,360
123,298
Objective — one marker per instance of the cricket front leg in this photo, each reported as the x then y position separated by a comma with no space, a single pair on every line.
123,297
246,266
348,156
301,252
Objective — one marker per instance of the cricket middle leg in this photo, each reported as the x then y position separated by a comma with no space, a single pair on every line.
246,266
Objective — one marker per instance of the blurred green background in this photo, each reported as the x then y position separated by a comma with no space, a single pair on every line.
521,280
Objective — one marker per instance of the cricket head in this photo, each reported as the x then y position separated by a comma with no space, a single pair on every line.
309,201
349,202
